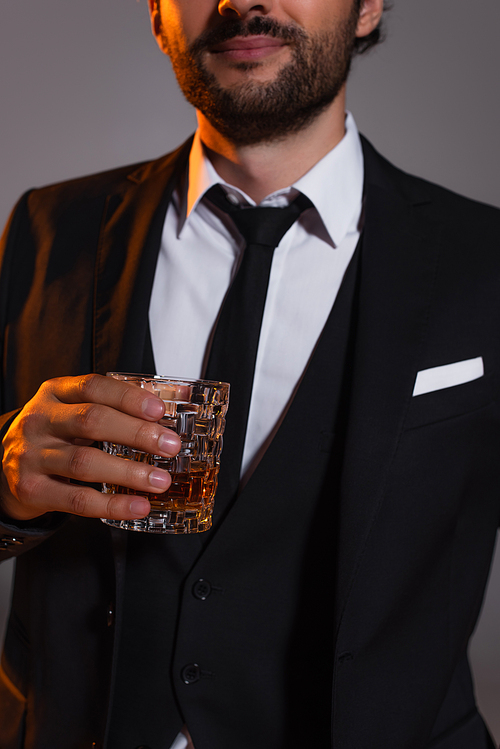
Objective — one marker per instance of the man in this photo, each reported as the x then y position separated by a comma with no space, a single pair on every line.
332,603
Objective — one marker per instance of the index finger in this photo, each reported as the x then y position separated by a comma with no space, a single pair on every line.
126,397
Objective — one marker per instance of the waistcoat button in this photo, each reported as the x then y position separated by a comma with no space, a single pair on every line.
190,674
202,589
345,657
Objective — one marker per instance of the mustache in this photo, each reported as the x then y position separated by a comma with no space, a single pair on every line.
256,26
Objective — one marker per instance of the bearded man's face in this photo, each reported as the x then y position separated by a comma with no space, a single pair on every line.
285,77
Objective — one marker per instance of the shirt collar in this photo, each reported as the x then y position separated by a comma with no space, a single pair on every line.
334,185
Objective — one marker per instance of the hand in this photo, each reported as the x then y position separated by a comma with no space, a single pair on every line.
49,444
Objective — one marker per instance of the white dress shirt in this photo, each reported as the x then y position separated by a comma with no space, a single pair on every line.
200,253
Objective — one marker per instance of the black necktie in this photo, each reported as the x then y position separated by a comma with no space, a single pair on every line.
236,339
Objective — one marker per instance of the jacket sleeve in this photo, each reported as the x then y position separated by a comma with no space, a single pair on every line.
16,537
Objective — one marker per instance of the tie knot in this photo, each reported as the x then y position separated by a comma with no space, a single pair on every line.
260,225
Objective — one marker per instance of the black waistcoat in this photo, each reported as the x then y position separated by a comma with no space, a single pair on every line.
231,631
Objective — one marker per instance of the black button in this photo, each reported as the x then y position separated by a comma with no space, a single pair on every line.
110,615
202,589
345,657
191,673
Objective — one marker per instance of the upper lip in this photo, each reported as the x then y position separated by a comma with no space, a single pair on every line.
248,42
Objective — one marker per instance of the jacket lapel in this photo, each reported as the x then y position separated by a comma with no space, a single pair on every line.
128,249
398,265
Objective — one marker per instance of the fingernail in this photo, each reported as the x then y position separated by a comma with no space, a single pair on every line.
153,407
168,442
159,479
140,507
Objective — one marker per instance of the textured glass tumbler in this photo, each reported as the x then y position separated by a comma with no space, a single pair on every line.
196,410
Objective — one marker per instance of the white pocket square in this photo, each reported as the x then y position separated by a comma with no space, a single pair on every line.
449,375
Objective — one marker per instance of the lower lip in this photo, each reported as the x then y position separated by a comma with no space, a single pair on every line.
250,53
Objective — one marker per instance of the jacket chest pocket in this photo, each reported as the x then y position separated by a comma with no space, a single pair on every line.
449,402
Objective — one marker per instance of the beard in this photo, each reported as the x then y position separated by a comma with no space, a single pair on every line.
254,112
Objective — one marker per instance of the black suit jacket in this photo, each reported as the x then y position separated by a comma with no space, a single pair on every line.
419,501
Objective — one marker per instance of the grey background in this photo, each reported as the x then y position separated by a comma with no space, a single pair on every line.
83,88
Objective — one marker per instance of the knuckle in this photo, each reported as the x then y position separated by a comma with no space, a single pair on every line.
29,420
47,387
135,474
87,386
88,419
113,509
16,462
147,435
49,390
80,462
130,397
78,501
26,488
